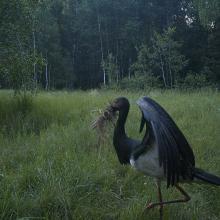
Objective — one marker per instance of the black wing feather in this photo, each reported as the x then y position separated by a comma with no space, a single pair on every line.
143,121
175,153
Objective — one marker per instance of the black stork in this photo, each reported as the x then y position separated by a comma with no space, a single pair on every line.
163,153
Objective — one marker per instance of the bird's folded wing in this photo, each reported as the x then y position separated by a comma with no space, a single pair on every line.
175,154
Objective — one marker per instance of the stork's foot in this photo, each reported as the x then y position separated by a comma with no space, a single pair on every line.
147,207
150,206
153,205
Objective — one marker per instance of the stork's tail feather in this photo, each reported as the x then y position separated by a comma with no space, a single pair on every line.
207,177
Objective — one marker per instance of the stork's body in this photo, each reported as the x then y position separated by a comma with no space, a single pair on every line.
148,163
164,153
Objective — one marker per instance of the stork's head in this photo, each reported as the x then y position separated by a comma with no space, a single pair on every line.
120,104
109,114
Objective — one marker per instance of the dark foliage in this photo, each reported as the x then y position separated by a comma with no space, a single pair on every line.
84,44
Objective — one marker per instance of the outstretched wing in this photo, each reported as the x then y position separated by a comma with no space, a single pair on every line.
175,153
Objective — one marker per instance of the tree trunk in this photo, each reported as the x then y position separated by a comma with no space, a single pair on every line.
46,75
163,72
170,71
34,64
129,69
74,61
49,84
171,76
102,53
116,60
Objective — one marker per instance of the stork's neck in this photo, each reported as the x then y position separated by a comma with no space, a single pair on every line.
120,125
120,139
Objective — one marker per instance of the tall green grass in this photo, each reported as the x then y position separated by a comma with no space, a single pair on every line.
52,168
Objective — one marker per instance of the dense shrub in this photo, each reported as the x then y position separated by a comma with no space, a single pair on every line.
194,81
139,82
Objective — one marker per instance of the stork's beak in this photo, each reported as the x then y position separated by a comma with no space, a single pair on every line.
114,106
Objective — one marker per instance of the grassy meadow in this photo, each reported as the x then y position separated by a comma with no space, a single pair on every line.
51,166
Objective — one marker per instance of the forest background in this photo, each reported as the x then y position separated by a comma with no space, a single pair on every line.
83,44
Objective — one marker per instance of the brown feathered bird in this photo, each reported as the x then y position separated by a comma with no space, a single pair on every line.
163,153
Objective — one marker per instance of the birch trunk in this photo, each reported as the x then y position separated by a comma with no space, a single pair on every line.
129,69
34,64
102,53
163,72
46,77
170,71
118,68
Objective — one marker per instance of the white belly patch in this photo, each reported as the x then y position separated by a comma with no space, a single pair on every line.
148,163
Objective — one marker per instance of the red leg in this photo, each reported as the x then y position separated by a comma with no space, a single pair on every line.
161,201
185,199
158,183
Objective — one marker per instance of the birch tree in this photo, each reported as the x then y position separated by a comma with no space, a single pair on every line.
166,55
